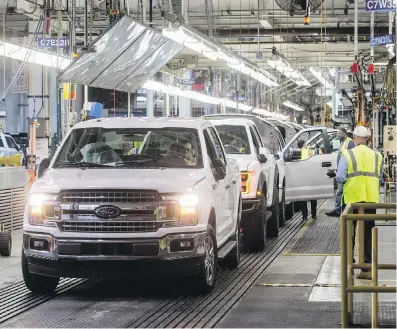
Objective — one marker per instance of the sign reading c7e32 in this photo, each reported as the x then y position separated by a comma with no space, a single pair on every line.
380,5
53,42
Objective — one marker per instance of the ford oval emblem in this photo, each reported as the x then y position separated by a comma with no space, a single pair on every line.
107,212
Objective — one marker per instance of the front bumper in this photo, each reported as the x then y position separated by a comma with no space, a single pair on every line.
83,257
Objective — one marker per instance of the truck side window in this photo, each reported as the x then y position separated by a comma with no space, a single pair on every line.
1,142
218,145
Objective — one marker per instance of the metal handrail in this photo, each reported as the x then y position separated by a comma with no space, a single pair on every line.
347,266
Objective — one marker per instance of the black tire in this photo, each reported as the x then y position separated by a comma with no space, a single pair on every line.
281,214
205,279
254,228
35,282
273,224
232,260
5,244
289,211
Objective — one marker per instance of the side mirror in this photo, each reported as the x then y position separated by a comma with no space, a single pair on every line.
295,154
44,164
220,168
262,158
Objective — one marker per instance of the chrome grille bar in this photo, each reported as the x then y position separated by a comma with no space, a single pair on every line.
100,197
130,227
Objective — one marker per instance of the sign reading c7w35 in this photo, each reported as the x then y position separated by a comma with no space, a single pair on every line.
380,5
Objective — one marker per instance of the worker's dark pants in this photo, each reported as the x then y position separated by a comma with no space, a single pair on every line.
368,225
313,206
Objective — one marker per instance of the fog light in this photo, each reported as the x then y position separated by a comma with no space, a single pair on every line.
39,244
181,245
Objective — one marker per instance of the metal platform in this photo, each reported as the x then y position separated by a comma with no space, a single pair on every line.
276,288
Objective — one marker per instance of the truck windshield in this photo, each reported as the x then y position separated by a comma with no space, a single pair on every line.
234,139
128,147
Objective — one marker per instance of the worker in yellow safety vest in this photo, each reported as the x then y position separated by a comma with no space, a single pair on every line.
305,154
305,151
346,144
359,171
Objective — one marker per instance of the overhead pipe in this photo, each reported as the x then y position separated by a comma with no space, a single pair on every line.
362,30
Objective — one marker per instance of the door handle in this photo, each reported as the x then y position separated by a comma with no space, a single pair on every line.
326,164
227,186
234,181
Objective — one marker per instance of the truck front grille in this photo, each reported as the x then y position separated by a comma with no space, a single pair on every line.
109,226
108,197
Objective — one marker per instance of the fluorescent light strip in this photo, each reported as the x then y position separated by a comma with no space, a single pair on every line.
252,72
293,106
36,57
323,80
290,72
212,51
160,87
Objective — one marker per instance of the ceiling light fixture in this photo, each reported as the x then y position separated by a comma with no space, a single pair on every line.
160,87
281,64
210,49
324,79
13,51
294,106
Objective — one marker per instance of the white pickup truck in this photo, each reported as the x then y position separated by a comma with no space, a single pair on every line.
8,147
241,140
125,197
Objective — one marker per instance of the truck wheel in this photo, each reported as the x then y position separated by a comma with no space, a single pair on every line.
35,282
232,260
281,213
206,277
273,225
289,211
5,244
254,229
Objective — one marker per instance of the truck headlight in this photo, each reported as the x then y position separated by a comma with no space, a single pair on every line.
187,213
43,207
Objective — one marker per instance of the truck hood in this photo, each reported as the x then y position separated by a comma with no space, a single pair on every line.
168,180
243,160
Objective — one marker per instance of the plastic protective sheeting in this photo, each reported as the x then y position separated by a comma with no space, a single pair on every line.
126,56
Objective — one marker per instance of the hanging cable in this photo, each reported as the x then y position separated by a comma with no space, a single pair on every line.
23,64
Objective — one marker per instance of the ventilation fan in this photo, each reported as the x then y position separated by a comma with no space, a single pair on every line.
292,6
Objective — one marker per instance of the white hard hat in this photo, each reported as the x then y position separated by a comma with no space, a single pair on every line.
361,131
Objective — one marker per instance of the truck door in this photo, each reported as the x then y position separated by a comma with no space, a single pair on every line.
306,179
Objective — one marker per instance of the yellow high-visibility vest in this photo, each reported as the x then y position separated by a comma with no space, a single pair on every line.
345,145
363,173
306,153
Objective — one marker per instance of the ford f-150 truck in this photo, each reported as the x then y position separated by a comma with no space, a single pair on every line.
125,197
241,141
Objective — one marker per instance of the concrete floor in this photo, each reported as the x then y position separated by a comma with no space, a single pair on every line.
303,290
10,267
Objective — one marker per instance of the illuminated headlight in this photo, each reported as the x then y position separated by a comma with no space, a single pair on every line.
43,207
187,212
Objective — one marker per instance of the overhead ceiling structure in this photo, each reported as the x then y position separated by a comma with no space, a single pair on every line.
250,30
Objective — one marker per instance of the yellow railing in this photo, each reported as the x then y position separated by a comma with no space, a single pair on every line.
347,266
14,161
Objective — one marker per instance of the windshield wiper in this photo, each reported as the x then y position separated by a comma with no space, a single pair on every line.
84,164
134,162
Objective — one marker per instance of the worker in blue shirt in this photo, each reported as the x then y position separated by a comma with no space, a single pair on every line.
346,143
